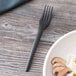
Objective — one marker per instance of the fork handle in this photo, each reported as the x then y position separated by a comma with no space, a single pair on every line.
34,48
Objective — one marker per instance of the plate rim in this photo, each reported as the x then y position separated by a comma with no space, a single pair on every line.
53,45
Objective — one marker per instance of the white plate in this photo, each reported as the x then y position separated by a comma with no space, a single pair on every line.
63,47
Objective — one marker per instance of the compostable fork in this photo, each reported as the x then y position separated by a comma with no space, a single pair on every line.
43,24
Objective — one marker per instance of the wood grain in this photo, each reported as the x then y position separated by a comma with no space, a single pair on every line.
18,29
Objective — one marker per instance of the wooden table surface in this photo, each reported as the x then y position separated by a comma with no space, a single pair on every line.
18,30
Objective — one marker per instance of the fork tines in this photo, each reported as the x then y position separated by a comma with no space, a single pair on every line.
46,17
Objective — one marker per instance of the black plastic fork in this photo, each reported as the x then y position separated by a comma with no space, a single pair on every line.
43,24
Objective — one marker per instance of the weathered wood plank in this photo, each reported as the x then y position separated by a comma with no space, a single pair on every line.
18,30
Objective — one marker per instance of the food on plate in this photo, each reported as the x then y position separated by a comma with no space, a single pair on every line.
72,64
63,72
59,67
58,60
58,64
74,74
